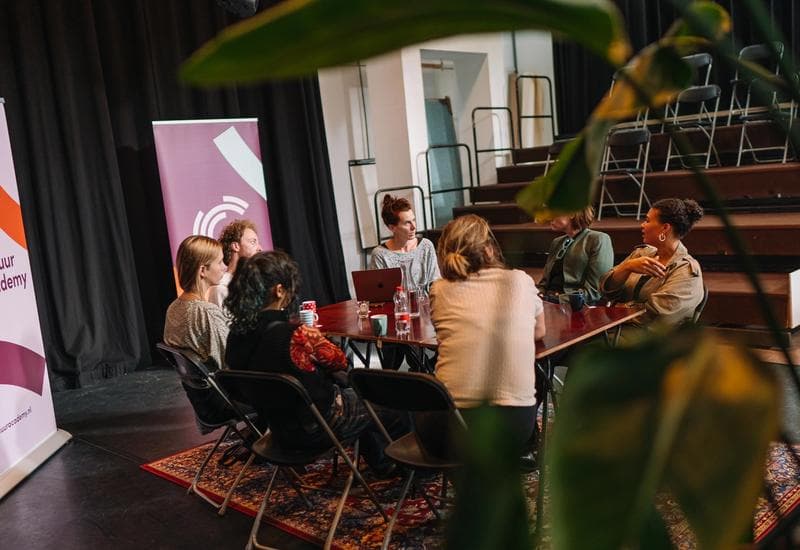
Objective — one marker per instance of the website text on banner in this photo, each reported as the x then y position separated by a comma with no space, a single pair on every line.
211,174
27,421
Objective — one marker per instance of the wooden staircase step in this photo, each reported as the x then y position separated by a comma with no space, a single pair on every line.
732,300
726,141
768,182
774,235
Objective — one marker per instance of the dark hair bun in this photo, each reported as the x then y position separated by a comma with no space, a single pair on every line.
694,212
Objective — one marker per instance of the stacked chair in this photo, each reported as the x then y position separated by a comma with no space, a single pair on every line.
627,154
753,108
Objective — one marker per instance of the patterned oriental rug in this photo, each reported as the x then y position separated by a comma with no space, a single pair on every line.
417,528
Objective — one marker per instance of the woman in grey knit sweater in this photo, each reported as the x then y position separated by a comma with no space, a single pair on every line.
404,245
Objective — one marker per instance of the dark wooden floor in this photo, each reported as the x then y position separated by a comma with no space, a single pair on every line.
92,494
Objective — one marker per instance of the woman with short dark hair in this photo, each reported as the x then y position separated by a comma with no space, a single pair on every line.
660,273
577,259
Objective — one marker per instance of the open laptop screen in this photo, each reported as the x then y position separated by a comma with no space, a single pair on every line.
377,285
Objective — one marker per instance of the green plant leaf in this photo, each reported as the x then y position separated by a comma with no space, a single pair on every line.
694,417
702,19
491,510
297,37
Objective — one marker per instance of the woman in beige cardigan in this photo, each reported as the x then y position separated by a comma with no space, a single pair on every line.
487,319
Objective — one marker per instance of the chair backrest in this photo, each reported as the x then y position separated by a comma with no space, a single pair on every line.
701,64
264,390
629,138
404,391
764,55
698,311
193,373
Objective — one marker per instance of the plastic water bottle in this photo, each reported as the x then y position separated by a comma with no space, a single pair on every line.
402,314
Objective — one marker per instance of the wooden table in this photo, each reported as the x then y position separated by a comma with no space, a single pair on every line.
564,328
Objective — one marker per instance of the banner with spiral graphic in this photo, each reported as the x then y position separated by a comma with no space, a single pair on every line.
28,431
211,174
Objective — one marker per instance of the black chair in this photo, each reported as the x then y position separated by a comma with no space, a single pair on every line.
758,54
704,103
411,392
701,64
698,311
196,377
757,111
278,397
627,154
553,151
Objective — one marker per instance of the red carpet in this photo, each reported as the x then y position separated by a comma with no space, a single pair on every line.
361,527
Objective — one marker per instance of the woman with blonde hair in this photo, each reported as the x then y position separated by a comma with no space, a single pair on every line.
487,318
577,259
193,324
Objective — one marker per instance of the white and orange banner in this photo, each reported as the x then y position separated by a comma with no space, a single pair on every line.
211,173
26,408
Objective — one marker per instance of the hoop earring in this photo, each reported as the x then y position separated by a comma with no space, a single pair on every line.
662,237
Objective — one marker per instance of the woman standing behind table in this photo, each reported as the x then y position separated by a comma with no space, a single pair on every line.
577,259
660,273
404,246
195,325
487,318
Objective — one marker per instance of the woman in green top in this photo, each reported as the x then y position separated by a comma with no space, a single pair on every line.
577,259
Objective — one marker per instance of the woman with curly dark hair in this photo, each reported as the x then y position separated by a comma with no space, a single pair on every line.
261,296
660,273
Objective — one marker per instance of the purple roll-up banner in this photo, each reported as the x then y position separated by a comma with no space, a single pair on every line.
211,174
28,433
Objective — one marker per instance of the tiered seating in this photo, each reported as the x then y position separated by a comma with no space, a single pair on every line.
764,197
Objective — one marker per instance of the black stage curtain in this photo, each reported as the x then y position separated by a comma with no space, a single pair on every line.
82,81
582,78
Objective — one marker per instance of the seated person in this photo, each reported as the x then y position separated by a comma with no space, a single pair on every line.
239,240
487,319
404,248
577,259
660,273
261,294
198,327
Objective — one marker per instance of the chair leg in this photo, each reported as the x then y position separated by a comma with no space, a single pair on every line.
337,516
360,479
388,535
223,508
253,540
193,487
297,486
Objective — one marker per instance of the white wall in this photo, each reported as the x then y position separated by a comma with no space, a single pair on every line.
396,113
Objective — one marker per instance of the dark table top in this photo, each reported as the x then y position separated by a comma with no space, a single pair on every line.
564,327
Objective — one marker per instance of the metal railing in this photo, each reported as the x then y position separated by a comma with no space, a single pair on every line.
550,115
495,149
461,188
